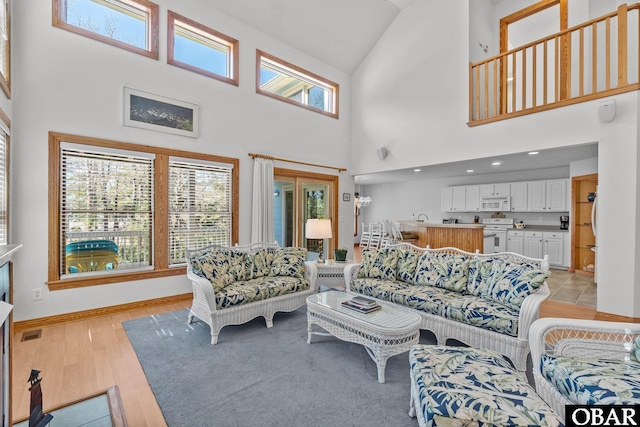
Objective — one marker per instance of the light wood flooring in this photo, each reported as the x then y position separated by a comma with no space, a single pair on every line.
82,357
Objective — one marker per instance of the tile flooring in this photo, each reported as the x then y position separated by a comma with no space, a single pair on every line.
572,288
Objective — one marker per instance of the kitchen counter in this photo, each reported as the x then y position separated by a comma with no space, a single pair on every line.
435,224
554,228
467,237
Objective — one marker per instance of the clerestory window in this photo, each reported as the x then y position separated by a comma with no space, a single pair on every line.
5,47
284,81
200,49
128,24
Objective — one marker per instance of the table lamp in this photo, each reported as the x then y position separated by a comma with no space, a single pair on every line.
318,229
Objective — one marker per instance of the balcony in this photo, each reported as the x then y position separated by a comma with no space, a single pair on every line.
596,59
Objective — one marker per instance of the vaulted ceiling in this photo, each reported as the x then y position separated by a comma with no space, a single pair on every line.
338,32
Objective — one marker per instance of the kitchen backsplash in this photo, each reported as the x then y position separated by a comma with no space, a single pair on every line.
532,218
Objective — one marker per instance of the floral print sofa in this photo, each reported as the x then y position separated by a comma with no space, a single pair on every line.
586,362
483,300
232,285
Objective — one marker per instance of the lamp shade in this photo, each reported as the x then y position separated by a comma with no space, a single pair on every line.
318,229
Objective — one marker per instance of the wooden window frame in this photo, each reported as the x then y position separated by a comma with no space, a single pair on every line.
210,34
160,218
150,8
5,75
306,75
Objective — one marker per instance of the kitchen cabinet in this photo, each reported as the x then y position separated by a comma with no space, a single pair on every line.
490,190
533,244
515,242
519,197
553,246
472,198
453,199
547,196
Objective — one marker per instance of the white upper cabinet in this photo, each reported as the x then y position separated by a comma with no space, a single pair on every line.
472,198
490,190
453,199
547,196
518,196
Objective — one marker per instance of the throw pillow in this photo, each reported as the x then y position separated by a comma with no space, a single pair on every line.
407,266
512,282
379,264
635,350
442,270
289,262
215,266
480,270
259,264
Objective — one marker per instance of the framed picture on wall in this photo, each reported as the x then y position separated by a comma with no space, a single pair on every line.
346,197
154,112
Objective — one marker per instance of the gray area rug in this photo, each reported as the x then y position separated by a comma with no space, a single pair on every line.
256,376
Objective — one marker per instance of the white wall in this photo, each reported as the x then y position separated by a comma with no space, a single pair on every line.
584,167
64,82
411,95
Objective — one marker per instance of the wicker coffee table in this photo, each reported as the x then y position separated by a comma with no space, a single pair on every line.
384,333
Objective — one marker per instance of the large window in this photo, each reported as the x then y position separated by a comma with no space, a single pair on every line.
121,212
200,200
200,49
284,81
5,47
128,24
4,178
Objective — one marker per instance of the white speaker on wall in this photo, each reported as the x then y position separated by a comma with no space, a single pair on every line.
607,110
382,153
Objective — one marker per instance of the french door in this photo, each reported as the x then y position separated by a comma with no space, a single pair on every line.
299,196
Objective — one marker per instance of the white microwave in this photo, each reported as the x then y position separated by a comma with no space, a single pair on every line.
495,204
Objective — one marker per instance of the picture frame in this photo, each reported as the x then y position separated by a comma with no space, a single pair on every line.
159,113
346,197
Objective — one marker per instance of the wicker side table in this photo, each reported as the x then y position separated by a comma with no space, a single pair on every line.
384,333
331,274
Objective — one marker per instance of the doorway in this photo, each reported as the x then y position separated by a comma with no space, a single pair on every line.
299,196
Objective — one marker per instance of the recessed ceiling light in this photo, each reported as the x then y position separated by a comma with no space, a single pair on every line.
496,163
533,153
469,170
416,170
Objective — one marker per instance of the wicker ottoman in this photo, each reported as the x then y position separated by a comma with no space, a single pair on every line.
474,385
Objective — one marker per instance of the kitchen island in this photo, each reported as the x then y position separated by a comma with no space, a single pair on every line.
468,237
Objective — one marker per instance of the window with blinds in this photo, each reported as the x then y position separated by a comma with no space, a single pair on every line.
106,211
200,206
4,237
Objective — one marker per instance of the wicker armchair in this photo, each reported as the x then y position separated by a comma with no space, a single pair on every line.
584,342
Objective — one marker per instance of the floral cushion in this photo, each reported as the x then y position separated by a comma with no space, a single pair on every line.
259,264
379,263
221,266
482,313
511,283
239,293
634,354
480,270
593,381
443,270
474,384
407,266
289,262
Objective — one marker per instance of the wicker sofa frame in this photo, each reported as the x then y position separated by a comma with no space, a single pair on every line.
577,338
515,348
204,299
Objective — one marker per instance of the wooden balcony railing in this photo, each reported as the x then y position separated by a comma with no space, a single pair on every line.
596,59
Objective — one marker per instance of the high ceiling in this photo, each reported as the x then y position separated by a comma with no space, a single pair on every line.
338,32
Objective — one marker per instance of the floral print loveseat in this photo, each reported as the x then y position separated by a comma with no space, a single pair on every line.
586,362
232,285
483,300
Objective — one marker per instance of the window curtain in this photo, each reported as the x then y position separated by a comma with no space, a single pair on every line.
262,227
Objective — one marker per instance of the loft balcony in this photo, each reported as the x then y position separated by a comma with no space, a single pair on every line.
596,59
